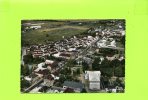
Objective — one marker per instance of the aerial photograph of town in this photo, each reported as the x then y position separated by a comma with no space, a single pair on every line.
72,56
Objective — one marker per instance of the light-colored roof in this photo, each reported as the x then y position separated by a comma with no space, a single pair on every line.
57,54
27,78
93,75
35,90
49,61
93,85
40,65
71,49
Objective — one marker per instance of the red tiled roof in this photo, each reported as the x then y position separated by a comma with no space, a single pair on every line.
44,72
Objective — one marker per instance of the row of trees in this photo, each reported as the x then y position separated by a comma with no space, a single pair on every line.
108,51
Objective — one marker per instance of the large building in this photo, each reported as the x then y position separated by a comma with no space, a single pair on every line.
76,86
94,79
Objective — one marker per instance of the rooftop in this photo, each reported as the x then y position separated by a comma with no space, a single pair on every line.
93,75
73,84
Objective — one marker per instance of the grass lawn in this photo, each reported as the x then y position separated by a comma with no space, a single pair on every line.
39,36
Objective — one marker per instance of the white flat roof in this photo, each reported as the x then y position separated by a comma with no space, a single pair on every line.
93,75
49,61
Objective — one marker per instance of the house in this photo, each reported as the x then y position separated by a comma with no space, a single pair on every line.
113,90
40,67
28,78
57,55
49,62
41,73
94,79
101,43
89,37
37,53
35,27
76,86
72,49
65,55
112,43
112,57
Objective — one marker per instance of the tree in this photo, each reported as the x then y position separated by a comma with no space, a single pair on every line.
85,66
95,64
122,62
123,40
62,78
108,51
25,70
51,57
118,80
24,83
106,72
70,63
28,59
47,35
105,81
78,71
38,60
83,90
105,63
114,63
119,72
69,78
66,71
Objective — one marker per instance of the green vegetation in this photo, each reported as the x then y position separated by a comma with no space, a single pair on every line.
53,30
108,51
65,71
83,90
41,36
25,70
109,68
123,40
28,59
95,64
85,66
24,83
70,63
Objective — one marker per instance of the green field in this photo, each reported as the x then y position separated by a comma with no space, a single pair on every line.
51,31
40,36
